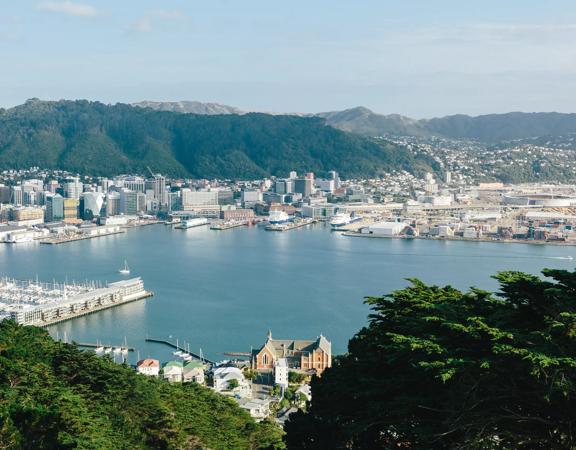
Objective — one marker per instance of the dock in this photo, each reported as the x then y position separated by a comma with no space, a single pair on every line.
79,237
228,225
178,347
356,226
290,225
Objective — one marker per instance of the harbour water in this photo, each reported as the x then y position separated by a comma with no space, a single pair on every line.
222,291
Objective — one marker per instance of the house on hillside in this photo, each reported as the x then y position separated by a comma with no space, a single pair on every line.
150,367
172,371
312,356
225,378
193,372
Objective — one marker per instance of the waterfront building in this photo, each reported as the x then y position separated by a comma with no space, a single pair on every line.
237,214
323,211
27,216
93,202
128,202
306,355
172,371
149,367
193,372
112,204
159,189
54,208
71,209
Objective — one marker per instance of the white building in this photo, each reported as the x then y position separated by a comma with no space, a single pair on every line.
385,229
93,201
172,371
149,367
223,376
258,408
281,373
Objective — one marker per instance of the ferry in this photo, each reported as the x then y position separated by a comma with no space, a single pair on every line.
341,219
196,222
278,217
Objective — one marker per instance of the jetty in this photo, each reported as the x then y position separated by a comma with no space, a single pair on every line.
179,348
228,225
287,226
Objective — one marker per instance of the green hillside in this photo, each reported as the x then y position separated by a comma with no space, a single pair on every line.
53,396
93,138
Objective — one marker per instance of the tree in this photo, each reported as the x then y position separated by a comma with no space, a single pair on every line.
437,368
233,384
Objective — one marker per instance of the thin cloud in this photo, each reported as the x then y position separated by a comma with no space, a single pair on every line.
69,8
155,20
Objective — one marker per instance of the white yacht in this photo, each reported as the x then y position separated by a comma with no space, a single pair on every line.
278,217
125,270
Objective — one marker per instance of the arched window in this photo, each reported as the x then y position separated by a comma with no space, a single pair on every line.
265,359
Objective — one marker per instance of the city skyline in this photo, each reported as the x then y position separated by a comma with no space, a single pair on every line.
418,59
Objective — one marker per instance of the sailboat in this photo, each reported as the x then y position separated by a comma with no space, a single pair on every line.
125,270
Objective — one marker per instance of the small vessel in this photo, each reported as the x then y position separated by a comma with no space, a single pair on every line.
278,217
117,350
195,222
341,219
108,350
125,270
99,350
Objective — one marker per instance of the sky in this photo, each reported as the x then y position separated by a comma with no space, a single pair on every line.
420,58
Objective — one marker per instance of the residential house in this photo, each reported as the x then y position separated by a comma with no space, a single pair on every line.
193,372
258,408
150,367
222,379
172,371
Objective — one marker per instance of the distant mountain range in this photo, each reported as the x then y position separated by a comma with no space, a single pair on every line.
488,128
94,138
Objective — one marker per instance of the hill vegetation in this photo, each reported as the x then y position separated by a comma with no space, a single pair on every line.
490,128
437,368
93,138
53,396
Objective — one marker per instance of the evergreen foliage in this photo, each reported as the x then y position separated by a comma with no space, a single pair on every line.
93,138
53,396
437,368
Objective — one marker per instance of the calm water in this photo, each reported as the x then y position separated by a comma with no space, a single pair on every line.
222,291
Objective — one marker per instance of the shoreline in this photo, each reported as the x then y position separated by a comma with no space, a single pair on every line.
460,239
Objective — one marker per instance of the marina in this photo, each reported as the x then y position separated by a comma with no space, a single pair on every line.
221,290
42,304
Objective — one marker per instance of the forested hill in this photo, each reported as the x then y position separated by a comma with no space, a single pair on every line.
93,138
53,396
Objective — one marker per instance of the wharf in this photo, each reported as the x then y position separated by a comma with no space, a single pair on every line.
355,226
85,312
63,239
228,225
290,225
178,347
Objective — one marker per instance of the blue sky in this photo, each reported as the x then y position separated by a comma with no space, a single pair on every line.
413,57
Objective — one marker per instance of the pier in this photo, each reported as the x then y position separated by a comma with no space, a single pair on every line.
178,347
290,225
228,225
78,237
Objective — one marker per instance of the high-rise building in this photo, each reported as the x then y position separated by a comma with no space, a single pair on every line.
5,194
304,186
54,208
128,202
191,199
51,186
112,204
17,195
71,209
93,202
160,193
73,188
